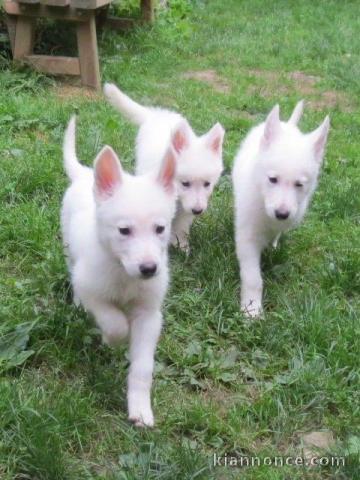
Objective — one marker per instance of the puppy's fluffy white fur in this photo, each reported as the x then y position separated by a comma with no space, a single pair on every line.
199,163
275,174
116,229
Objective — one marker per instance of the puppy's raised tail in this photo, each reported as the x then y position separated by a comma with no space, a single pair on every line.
133,111
73,168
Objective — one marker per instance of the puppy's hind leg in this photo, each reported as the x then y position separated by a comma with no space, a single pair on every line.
70,266
251,281
145,332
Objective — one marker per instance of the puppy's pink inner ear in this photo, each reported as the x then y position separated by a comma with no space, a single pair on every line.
215,146
320,135
167,173
180,138
215,138
272,127
107,172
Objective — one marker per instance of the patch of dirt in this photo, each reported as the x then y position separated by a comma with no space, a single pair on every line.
225,399
268,91
69,92
331,99
242,114
304,84
211,77
42,136
265,74
314,442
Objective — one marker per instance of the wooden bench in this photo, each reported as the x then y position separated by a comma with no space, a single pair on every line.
21,22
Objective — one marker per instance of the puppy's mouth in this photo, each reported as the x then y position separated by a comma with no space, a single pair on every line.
282,223
147,278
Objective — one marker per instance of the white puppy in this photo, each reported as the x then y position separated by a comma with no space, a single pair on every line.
116,229
274,176
199,164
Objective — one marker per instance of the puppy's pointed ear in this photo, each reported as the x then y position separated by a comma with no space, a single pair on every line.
108,173
214,138
272,127
318,138
297,113
167,172
180,137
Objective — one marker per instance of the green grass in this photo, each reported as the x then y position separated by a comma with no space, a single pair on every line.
221,385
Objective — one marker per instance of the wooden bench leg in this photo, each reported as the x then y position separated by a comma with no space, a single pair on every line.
88,53
24,37
147,10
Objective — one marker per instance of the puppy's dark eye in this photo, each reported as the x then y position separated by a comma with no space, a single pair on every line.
125,231
298,184
206,184
159,229
185,184
273,179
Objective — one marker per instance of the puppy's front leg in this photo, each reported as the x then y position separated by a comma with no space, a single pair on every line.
113,324
181,230
144,335
251,281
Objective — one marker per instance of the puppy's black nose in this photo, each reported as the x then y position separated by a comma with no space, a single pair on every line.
148,270
282,214
197,211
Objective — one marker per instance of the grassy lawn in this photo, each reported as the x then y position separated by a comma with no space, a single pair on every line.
221,384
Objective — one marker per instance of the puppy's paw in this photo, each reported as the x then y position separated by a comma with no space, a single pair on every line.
252,309
76,300
185,247
116,336
174,242
182,243
276,240
141,417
